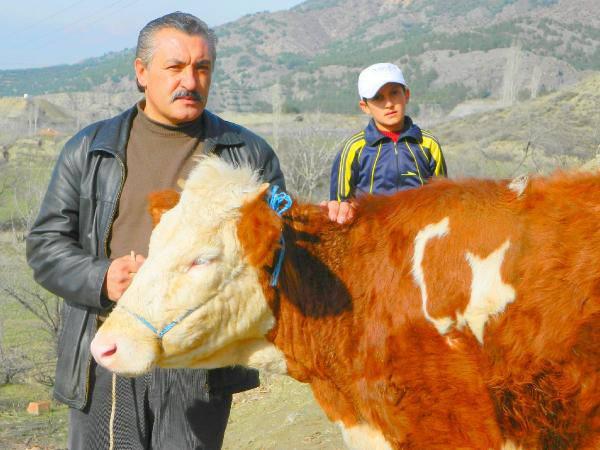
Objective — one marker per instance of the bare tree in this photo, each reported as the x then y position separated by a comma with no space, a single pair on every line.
13,362
277,104
42,309
536,77
27,191
306,153
45,307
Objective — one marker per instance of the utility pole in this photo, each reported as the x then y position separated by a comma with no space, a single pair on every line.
511,75
277,106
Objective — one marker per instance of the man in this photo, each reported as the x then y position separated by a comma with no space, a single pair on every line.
92,233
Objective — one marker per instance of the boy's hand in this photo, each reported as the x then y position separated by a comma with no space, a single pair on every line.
120,273
340,212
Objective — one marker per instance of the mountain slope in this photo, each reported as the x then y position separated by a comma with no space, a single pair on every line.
312,54
558,130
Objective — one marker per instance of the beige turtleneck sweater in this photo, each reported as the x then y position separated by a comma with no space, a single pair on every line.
157,156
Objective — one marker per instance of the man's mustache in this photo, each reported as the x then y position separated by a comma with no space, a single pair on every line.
185,93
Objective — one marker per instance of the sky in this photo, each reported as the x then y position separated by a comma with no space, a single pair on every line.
40,33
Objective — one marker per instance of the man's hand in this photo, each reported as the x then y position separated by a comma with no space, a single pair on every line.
119,275
340,212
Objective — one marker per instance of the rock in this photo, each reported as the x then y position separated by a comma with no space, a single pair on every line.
37,408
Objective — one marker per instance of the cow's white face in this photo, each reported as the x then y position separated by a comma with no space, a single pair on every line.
195,263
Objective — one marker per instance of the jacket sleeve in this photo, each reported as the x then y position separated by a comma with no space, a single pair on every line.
59,262
343,173
271,171
334,181
437,164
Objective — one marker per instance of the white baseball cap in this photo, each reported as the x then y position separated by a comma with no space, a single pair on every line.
373,77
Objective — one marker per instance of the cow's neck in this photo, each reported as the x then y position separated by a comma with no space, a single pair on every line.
311,293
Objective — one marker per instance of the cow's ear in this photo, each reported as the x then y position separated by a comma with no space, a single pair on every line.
251,196
160,202
259,229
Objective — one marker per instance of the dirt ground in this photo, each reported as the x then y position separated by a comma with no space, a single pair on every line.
280,415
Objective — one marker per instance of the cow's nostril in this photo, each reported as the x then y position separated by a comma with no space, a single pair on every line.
102,351
109,351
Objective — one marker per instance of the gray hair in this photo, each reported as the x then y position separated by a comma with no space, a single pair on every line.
186,23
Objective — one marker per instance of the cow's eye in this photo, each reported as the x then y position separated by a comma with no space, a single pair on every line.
206,257
201,261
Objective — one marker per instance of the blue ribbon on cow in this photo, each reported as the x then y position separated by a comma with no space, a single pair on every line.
279,202
166,328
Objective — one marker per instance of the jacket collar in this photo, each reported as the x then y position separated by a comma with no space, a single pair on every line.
411,131
114,135
219,131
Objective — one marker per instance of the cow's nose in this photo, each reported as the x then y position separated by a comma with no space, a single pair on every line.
103,350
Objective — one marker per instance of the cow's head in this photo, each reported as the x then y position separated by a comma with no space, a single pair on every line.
197,301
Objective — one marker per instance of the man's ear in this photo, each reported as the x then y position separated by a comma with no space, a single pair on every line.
259,229
140,72
407,94
160,202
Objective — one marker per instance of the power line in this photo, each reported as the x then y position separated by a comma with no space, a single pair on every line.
44,19
33,45
98,14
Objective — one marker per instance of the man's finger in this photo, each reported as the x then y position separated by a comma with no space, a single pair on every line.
130,266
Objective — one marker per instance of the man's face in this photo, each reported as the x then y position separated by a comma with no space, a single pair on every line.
177,79
388,106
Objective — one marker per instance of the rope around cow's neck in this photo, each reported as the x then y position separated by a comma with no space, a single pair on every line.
279,202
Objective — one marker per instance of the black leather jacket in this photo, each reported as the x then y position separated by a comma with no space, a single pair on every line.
67,247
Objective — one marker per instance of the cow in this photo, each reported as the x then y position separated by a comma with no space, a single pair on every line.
460,315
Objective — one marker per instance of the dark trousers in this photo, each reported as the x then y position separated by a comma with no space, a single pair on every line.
167,409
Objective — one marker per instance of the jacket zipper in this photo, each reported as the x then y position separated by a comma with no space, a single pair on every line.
416,163
374,167
108,227
398,173
114,209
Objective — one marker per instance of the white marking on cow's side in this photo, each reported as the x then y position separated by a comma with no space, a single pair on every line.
510,445
434,230
519,184
363,436
489,294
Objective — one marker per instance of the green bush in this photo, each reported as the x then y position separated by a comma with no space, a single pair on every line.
291,60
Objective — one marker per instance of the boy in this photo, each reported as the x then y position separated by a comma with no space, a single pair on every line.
391,154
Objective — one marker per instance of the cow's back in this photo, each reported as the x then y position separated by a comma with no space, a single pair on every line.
476,288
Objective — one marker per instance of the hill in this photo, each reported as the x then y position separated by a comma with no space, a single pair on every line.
308,57
555,130
558,130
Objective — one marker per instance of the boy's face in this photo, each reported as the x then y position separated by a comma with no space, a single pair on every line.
387,107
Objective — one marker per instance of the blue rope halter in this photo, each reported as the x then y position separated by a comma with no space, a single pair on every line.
279,202
166,328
